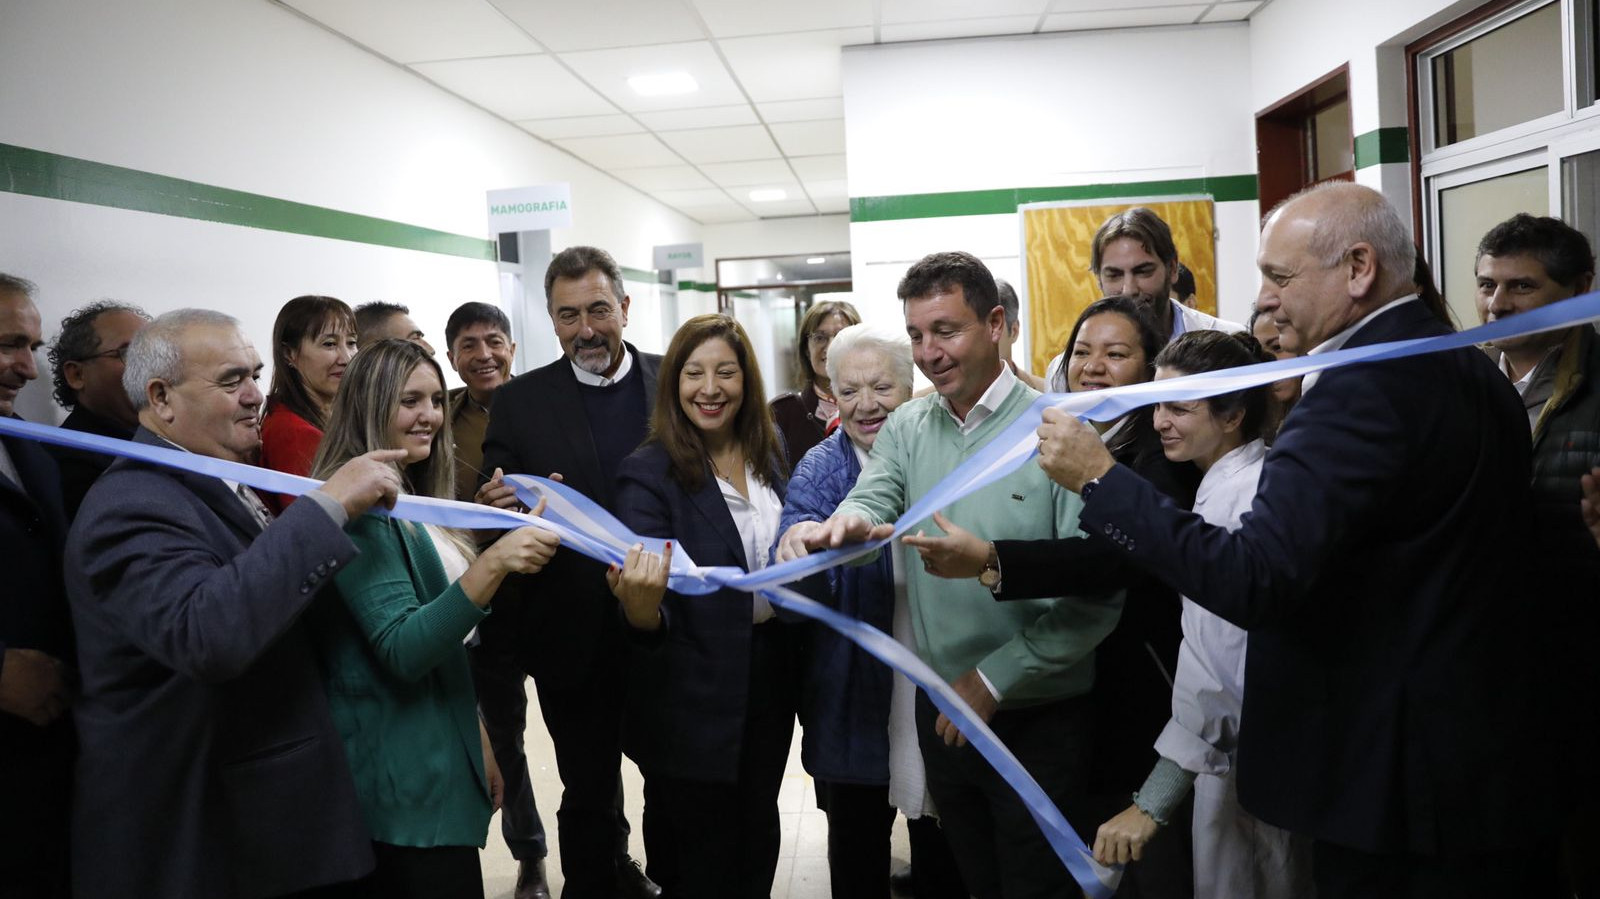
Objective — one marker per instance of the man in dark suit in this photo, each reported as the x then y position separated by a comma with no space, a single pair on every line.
1388,709
209,763
36,743
86,365
577,417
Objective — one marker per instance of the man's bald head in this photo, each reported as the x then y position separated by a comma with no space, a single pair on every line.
1330,255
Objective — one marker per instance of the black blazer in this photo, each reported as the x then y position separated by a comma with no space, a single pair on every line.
688,686
1387,704
80,468
562,621
35,762
210,765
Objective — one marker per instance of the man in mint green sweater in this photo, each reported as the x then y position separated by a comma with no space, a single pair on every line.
1025,667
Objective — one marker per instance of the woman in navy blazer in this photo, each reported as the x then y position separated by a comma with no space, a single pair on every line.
710,708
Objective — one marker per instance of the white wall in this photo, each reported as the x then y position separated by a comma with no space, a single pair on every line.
1048,110
246,95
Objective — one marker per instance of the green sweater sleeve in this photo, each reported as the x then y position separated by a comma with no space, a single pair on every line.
1064,635
409,633
879,494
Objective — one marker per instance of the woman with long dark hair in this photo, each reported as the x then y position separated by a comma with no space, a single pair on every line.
710,708
392,650
313,340
802,417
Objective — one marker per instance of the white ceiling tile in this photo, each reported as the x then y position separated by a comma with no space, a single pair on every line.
810,138
722,144
1122,18
786,183
730,18
609,71
802,110
832,206
1231,12
517,87
827,190
818,167
620,152
743,174
666,177
683,199
1057,6
954,28
592,24
416,30
800,206
719,215
582,126
710,117
792,66
898,11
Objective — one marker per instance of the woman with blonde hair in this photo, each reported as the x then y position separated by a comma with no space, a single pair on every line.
392,649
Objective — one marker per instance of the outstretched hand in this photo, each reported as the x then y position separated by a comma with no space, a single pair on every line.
958,554
844,529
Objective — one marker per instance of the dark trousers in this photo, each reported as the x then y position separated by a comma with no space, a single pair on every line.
860,822
503,703
584,718
719,840
436,872
934,874
1000,850
1527,873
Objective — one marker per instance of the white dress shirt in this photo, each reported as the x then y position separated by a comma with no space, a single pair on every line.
593,380
1337,341
990,401
756,519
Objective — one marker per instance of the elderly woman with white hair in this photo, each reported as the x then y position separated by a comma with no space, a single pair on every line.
864,760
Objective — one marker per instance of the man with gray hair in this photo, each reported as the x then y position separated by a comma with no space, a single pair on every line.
209,764
577,417
86,364
1394,685
36,740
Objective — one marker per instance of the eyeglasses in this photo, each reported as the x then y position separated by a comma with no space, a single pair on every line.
819,339
120,353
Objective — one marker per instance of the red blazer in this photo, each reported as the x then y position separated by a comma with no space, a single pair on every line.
288,444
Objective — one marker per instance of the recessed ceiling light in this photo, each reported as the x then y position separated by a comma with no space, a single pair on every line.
663,84
816,260
768,195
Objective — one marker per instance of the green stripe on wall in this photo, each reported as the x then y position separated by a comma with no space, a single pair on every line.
991,202
40,174
1383,145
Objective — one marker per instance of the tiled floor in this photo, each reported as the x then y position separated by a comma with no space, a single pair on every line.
802,858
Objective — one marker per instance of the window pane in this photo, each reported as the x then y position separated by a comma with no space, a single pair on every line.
1580,192
1335,147
1466,213
1510,75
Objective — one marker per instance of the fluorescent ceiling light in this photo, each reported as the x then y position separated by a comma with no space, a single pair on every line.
768,195
663,84
816,260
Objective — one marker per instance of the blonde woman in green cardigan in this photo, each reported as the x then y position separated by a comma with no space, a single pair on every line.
392,649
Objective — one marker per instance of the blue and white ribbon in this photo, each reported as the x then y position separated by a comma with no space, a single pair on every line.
585,526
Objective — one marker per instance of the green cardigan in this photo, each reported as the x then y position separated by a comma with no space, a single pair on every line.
400,689
1032,651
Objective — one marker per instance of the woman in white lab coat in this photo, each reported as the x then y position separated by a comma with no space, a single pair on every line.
1236,856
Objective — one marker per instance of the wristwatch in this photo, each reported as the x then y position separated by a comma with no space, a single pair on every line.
1088,487
990,575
